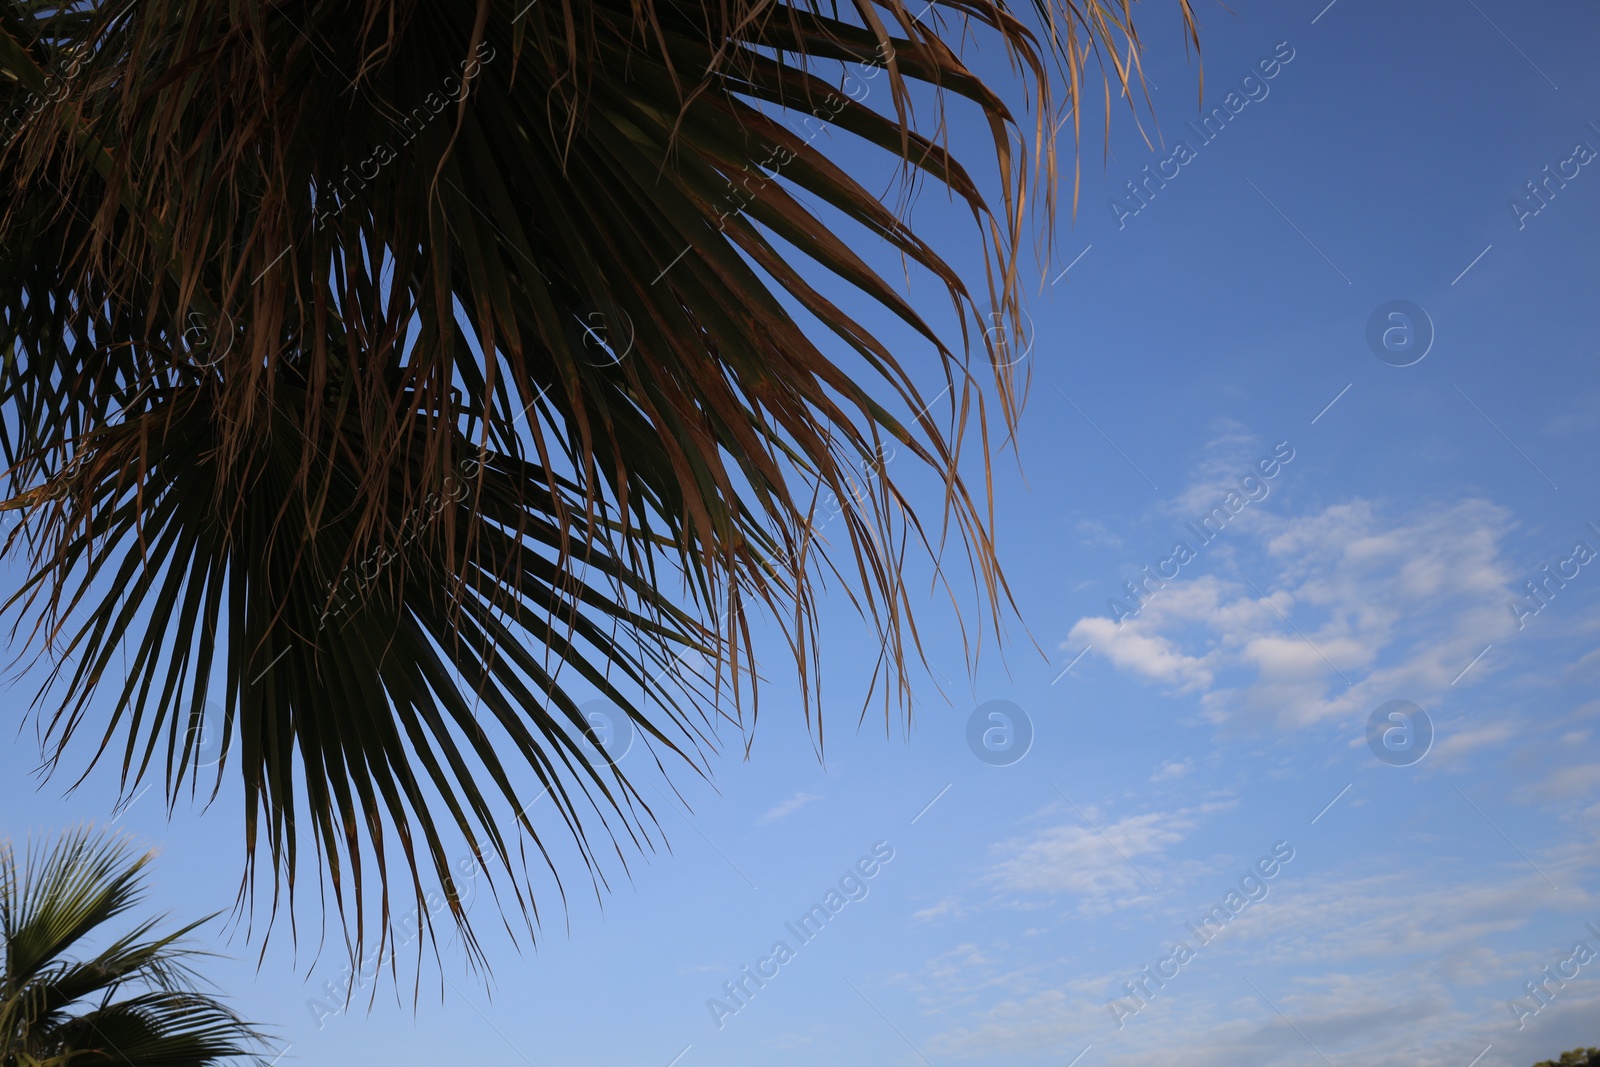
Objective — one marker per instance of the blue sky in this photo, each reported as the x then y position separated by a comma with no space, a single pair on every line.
1226,319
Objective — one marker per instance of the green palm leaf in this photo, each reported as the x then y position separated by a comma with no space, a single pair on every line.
134,1003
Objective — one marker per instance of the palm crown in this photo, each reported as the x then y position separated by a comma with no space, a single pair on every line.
405,370
131,1001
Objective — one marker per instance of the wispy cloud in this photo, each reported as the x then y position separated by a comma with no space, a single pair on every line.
788,807
1323,617
1392,968
1173,769
1095,860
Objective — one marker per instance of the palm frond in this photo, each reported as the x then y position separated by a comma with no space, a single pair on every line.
292,288
136,1002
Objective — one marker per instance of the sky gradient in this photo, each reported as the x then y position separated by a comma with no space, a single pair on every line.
1219,307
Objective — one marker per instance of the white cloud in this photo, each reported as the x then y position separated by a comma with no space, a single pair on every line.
1402,958
1389,969
1228,456
1096,866
1566,783
1173,769
1323,618
1053,1020
788,807
948,907
1450,748
1092,533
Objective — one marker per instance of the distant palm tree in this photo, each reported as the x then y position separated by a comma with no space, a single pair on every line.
404,371
127,1000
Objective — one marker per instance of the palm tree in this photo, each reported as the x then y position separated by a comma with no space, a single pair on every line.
1578,1057
130,1001
400,372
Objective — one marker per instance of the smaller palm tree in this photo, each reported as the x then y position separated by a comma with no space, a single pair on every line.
131,1002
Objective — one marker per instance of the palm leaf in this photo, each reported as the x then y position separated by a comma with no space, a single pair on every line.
290,284
134,1003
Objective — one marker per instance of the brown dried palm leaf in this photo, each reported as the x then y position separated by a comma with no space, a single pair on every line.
312,393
